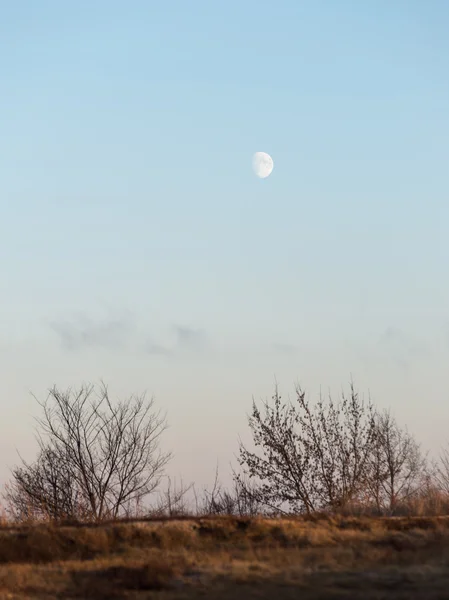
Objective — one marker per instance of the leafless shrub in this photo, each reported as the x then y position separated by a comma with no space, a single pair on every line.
172,502
240,500
442,471
311,458
398,468
45,490
96,458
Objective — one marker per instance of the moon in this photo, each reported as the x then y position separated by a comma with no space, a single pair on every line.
262,164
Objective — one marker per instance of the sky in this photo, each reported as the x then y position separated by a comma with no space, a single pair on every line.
137,245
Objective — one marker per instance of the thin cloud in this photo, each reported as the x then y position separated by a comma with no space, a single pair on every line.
157,349
183,339
285,349
401,348
84,332
187,337
81,332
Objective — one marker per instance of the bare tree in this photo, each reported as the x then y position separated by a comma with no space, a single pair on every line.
310,458
442,471
398,467
93,454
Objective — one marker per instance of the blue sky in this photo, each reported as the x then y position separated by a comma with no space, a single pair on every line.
138,246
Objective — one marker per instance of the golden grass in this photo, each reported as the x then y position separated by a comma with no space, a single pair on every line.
319,557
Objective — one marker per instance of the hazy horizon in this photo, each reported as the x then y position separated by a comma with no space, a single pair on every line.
140,247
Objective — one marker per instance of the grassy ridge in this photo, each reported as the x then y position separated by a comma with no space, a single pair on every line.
320,557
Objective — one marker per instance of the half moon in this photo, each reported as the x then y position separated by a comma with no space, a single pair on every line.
262,164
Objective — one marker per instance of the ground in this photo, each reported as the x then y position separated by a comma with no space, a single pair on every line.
186,559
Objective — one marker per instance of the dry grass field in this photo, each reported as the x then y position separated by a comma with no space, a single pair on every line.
183,559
